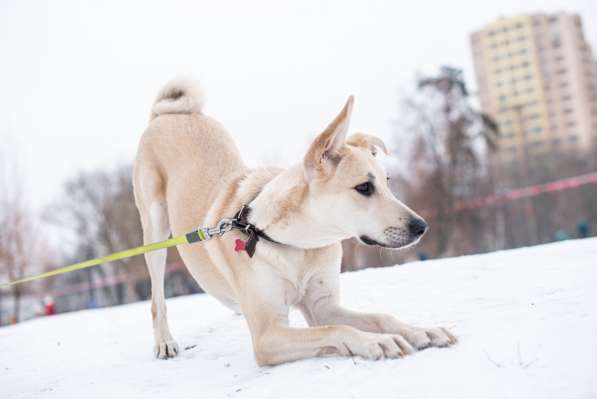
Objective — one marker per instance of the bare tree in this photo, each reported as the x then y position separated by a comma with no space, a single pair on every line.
98,210
449,141
18,244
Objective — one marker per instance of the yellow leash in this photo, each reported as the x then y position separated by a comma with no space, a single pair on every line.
201,234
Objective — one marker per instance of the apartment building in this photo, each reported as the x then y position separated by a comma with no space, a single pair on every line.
537,78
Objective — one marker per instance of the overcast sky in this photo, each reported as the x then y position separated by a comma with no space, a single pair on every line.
77,78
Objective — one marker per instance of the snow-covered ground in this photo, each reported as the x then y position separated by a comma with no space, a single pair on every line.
526,319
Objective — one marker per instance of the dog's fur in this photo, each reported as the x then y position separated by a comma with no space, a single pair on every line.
189,173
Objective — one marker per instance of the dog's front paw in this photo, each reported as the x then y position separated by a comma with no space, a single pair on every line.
422,338
165,349
376,346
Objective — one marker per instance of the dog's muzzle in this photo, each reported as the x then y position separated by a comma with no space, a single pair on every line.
397,236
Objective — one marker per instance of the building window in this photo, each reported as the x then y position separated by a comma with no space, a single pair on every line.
535,129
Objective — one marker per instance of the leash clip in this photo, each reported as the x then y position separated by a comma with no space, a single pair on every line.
223,227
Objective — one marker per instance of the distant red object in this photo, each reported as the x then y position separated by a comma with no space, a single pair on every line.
49,309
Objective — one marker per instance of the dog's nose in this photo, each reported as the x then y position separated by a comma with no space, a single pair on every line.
417,227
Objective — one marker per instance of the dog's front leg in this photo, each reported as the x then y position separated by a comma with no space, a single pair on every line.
321,307
418,337
278,344
274,342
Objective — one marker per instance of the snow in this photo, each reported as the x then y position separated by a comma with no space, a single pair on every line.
525,318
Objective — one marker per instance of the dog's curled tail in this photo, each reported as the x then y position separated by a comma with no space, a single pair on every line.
179,96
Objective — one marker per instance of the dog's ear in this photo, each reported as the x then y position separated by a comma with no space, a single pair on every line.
325,149
368,142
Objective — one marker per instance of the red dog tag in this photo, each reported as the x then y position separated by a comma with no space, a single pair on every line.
240,245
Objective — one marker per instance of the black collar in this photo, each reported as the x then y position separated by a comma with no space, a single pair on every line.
241,222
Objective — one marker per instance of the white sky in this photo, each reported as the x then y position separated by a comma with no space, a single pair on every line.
77,78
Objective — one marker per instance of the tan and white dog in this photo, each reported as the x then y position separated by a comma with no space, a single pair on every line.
189,173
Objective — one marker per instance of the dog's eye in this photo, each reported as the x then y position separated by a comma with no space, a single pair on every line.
365,189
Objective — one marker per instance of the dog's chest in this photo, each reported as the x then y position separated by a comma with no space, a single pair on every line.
295,288
297,270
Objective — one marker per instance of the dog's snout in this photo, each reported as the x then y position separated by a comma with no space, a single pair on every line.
417,227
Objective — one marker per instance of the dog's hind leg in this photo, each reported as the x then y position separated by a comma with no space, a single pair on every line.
158,230
154,219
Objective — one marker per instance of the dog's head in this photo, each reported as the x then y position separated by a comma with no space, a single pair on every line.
348,189
339,191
